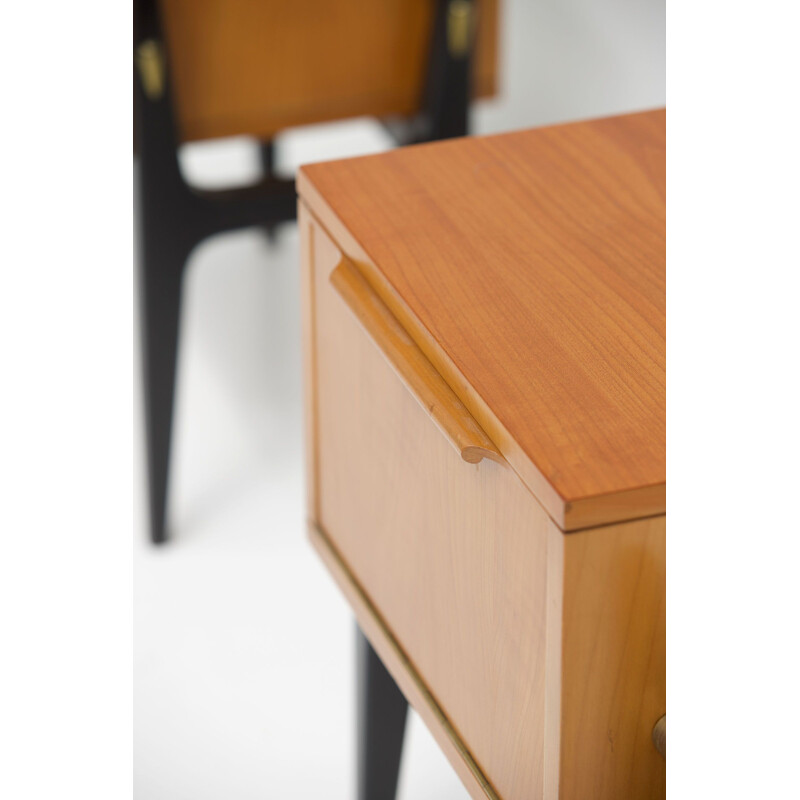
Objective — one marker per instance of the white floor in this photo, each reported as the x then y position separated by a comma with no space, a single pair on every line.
244,673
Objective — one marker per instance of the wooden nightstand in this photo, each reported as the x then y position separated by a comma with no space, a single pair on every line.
485,372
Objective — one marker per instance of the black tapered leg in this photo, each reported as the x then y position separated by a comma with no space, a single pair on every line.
165,238
448,80
382,711
267,152
448,87
172,219
160,275
160,317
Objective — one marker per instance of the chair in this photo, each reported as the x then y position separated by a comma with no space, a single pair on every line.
215,68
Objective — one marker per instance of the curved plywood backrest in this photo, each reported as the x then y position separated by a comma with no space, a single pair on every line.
255,67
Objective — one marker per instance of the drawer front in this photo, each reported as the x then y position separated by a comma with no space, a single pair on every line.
451,554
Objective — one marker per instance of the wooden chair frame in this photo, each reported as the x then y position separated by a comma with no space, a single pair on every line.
174,217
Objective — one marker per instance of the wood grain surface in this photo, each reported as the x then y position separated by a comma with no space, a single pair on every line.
608,594
530,269
451,555
402,670
256,67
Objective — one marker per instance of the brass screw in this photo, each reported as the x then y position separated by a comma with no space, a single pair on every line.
459,27
150,61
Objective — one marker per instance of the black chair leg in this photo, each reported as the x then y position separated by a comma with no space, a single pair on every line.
382,711
267,151
448,86
161,279
172,219
448,81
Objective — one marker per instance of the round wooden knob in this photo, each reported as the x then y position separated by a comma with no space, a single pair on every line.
660,736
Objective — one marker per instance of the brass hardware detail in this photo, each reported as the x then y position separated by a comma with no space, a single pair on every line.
459,27
660,736
150,61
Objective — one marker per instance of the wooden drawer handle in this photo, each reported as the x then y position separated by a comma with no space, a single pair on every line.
409,362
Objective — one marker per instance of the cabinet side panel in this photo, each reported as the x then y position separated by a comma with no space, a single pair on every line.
613,661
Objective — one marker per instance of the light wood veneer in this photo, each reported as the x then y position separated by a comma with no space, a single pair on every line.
256,67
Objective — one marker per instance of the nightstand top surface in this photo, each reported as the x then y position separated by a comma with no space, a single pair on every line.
530,267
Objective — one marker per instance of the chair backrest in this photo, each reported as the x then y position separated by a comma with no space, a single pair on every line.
256,67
